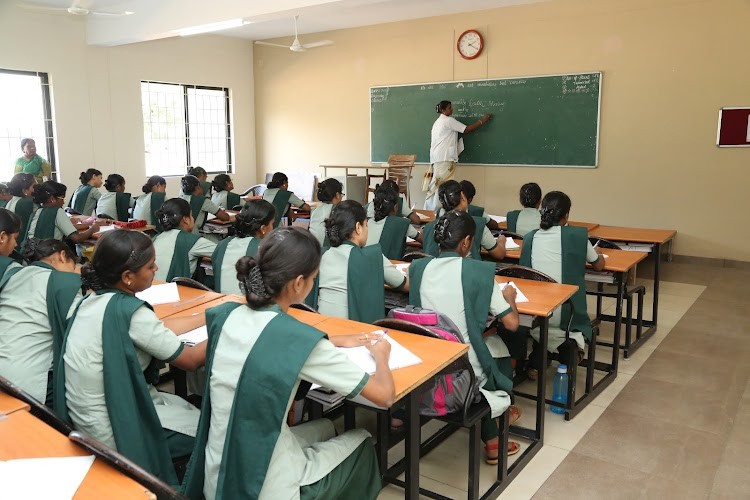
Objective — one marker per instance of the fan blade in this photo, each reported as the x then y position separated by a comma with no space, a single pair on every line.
111,14
258,42
321,43
41,8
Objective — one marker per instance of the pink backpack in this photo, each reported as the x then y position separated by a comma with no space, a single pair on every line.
449,391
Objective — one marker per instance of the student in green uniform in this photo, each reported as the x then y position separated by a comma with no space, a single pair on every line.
21,187
475,211
527,219
251,225
352,274
402,210
5,195
202,176
561,251
330,194
104,380
282,199
50,220
154,194
465,291
386,227
452,197
115,203
10,227
244,447
34,303
200,206
223,195
178,248
86,195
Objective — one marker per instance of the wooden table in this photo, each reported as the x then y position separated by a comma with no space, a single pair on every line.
9,404
425,216
590,226
189,297
24,436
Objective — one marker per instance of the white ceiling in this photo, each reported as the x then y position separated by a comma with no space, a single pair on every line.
153,19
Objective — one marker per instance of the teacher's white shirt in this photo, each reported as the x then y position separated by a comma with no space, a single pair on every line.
445,145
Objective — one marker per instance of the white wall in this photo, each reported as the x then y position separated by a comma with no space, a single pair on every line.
96,91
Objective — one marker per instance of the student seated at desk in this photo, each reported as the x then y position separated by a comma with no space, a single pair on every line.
527,219
352,274
50,220
561,251
5,195
223,195
115,203
452,197
475,211
386,228
402,210
10,228
244,447
202,176
177,247
251,225
465,291
104,380
21,187
200,206
154,194
330,193
34,302
86,195
278,194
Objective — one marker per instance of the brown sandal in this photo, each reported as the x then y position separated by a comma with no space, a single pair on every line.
515,414
513,448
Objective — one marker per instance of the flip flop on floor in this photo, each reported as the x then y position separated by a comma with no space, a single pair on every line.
513,448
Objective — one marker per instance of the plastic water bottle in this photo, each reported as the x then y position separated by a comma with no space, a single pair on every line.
560,389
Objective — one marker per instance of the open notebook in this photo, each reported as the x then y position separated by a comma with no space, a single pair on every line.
401,357
48,478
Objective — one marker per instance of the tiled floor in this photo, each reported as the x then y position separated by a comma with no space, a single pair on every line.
674,424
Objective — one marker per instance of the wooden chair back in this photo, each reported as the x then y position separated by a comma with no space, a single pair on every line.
399,170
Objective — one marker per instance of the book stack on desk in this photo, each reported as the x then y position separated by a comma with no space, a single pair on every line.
325,397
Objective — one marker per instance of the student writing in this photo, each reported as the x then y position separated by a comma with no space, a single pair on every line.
402,210
278,194
115,203
386,228
21,187
330,194
50,220
154,194
86,195
199,204
245,449
476,211
528,218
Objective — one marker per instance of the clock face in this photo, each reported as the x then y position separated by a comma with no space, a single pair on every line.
470,44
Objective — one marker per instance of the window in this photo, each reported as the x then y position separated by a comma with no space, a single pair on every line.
26,112
186,125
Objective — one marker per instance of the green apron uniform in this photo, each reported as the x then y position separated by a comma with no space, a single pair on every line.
24,208
226,199
199,207
225,257
281,199
84,199
391,232
50,222
114,205
318,226
524,221
177,253
482,239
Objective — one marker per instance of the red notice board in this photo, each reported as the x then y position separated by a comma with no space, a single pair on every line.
734,128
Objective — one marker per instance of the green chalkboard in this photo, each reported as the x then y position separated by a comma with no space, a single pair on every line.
539,121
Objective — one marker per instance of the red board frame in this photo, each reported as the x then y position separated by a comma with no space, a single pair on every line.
734,128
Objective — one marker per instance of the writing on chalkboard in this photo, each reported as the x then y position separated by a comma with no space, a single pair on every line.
541,120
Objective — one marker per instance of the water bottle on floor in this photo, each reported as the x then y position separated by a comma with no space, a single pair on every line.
560,389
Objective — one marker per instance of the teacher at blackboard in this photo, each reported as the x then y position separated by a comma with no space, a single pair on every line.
445,147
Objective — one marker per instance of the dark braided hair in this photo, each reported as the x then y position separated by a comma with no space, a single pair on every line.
171,213
220,182
452,228
152,182
530,195
449,194
10,223
440,107
328,189
197,171
113,180
386,199
343,220
47,190
86,176
278,180
189,184
19,182
287,252
36,249
469,190
115,253
555,206
254,214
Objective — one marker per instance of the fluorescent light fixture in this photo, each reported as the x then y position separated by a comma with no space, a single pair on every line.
211,27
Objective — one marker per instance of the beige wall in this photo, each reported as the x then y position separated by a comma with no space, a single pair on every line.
96,91
668,65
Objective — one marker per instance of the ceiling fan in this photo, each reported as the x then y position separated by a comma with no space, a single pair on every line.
76,10
296,46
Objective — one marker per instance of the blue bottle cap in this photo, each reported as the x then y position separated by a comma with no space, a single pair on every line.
562,368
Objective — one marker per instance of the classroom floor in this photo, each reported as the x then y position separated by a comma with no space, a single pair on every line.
673,424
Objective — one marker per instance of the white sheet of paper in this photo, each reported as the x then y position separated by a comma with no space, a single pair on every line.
498,218
401,357
48,478
423,216
104,229
520,297
511,245
194,337
160,294
605,255
410,240
403,268
210,216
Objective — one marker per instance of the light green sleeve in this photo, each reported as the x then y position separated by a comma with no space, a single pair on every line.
295,201
591,255
488,241
202,248
210,207
329,367
498,305
412,232
393,277
405,210
151,336
63,224
95,193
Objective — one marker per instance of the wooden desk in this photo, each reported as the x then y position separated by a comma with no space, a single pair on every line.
97,235
590,226
24,436
9,404
425,216
189,297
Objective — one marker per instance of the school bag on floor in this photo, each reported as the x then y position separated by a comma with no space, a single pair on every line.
449,391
